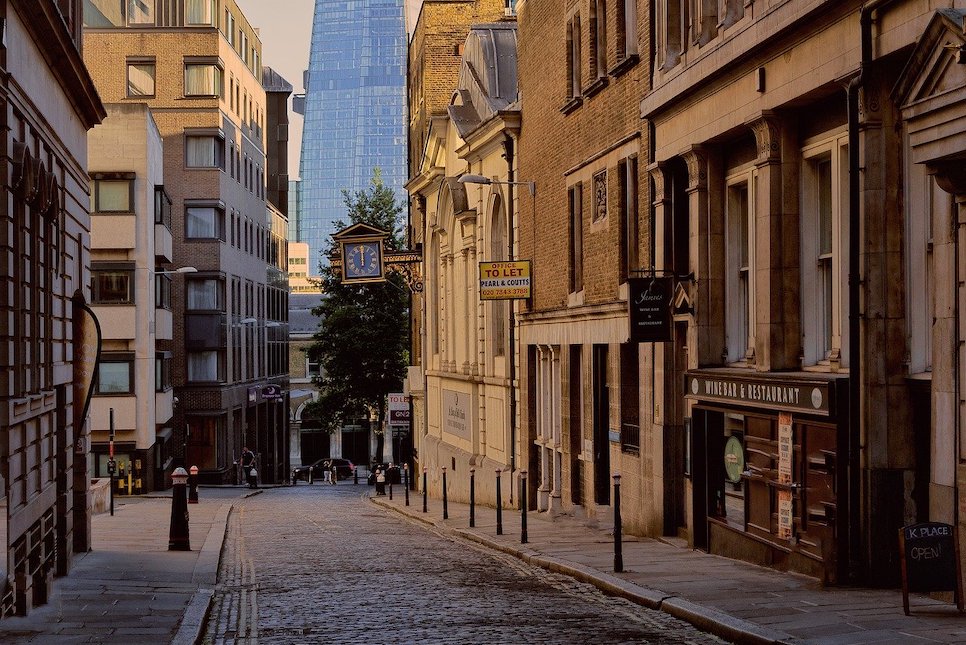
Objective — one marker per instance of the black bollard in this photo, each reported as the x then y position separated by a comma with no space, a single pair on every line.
445,505
424,489
406,481
499,504
618,555
355,475
193,485
389,478
523,507
472,497
178,534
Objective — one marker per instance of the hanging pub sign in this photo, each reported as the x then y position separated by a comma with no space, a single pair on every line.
649,305
272,392
929,555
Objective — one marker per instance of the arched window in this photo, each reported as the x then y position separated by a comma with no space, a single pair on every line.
499,311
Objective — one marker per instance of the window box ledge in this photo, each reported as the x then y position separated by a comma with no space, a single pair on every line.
595,87
623,65
572,104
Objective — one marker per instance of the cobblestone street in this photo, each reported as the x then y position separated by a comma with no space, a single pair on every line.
313,564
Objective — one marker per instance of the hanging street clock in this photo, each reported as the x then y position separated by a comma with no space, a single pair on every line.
362,257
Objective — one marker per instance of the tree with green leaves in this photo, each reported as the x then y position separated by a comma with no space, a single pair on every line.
362,342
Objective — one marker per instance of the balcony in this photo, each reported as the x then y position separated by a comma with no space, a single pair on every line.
125,414
163,406
163,325
163,245
118,322
113,231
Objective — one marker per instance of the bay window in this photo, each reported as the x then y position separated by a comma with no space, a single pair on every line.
204,222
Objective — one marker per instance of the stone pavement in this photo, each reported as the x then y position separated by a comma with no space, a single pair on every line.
738,601
129,588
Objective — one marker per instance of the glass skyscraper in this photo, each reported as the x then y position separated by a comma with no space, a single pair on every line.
355,110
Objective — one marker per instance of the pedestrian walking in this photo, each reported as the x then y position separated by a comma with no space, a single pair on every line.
326,472
334,474
248,467
380,482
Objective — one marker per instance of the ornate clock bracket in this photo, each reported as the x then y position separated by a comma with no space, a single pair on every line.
408,264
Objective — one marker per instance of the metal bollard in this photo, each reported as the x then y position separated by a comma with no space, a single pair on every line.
178,539
618,555
472,497
389,479
445,505
406,481
355,475
424,488
310,474
499,504
193,485
523,507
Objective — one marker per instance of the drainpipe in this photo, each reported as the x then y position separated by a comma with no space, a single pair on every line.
856,429
511,216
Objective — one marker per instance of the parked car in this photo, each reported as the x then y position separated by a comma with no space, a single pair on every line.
343,467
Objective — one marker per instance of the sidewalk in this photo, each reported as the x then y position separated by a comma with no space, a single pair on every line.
735,600
129,588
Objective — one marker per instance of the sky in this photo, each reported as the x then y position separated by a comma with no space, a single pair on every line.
285,28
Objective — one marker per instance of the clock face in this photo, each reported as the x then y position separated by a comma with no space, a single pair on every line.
363,260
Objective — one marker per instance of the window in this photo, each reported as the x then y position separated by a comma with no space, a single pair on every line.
204,295
925,205
202,79
739,280
630,398
204,151
630,260
598,41
204,222
162,207
112,286
140,78
575,199
204,367
115,376
626,28
199,12
731,11
113,195
824,233
162,371
573,56
162,292
671,28
140,12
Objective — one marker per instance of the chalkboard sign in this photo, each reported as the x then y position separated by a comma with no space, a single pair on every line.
930,560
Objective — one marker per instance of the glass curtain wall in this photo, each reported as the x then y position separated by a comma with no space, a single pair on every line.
355,111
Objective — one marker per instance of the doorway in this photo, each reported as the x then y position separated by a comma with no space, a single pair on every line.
601,427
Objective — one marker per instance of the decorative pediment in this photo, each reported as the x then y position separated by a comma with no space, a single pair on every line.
359,231
936,65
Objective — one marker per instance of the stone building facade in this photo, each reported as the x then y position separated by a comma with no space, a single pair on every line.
130,236
198,66
49,105
469,344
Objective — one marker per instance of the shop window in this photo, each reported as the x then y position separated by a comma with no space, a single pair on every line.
113,195
575,201
112,286
740,276
141,78
115,376
824,245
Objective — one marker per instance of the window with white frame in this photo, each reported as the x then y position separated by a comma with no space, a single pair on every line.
739,257
824,220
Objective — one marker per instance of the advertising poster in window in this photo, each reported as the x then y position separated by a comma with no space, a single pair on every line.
785,444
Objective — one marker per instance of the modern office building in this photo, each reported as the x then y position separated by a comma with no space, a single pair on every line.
197,64
355,107
49,104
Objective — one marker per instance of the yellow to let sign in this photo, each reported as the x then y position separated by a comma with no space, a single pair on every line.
505,280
